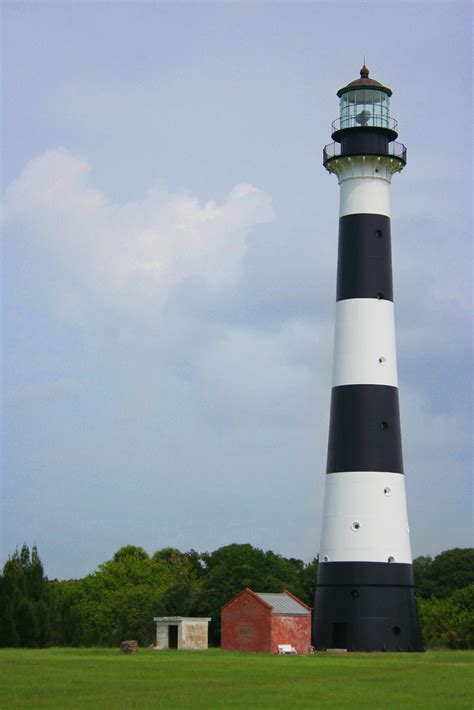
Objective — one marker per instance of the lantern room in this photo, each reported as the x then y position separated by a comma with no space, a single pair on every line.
364,126
364,102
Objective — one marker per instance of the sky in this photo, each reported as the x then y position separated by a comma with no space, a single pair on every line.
169,243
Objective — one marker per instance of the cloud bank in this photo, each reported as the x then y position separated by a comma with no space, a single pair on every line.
133,255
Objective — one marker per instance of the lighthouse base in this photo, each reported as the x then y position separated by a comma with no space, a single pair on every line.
366,606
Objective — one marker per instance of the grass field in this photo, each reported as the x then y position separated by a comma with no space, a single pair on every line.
104,678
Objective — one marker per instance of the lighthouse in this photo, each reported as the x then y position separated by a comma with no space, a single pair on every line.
365,595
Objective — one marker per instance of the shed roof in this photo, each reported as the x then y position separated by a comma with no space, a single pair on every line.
176,619
284,603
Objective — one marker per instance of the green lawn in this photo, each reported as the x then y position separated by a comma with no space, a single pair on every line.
104,678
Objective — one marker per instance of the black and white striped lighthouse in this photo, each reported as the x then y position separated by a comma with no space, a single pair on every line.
365,596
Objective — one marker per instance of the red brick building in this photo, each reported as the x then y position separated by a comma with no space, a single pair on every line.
259,622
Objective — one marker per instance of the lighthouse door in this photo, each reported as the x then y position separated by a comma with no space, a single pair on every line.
339,635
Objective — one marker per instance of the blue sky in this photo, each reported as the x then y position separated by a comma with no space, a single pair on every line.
169,257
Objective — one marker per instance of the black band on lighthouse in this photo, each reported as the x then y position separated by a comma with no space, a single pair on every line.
364,140
364,265
364,429
366,606
365,573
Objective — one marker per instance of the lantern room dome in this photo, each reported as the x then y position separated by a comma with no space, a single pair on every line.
364,83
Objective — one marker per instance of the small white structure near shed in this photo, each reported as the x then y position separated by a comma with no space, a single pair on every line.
182,632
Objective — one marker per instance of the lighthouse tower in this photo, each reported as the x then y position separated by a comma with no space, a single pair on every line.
365,597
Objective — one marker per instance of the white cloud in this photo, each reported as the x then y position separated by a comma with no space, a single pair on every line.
133,255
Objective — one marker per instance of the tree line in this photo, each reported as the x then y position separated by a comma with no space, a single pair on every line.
120,599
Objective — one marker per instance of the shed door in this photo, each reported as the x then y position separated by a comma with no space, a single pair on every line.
173,636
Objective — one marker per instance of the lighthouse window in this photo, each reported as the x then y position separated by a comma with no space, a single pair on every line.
382,360
378,232
380,296
384,425
364,107
396,631
387,491
355,593
355,525
391,560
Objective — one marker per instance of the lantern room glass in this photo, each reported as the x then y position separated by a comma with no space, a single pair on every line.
364,107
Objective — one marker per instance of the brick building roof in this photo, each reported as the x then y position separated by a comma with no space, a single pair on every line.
284,603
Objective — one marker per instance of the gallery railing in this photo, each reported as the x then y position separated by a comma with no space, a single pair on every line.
364,119
394,150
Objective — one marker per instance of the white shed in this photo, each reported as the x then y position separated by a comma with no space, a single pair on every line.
182,632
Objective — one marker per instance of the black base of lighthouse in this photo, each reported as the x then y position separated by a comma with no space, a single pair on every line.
366,606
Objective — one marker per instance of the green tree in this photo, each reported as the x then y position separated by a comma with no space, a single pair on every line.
448,621
441,576
121,598
25,596
422,570
8,633
130,551
14,575
451,570
26,623
307,579
43,623
69,625
36,584
180,597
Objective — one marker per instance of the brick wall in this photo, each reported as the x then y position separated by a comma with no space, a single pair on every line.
295,630
246,625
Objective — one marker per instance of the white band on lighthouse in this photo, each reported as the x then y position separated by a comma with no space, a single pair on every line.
364,343
364,195
365,518
365,184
